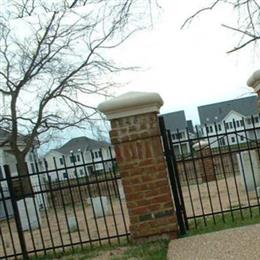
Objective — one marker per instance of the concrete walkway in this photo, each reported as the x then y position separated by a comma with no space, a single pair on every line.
238,243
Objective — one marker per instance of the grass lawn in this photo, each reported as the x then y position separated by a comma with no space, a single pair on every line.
146,251
227,220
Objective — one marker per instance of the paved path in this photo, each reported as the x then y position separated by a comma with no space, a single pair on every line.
238,243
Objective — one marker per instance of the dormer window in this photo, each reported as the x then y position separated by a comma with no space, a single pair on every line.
61,161
72,158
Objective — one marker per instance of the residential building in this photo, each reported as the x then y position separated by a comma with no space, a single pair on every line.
181,130
228,119
78,151
6,157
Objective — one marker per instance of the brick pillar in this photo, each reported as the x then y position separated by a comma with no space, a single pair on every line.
206,164
135,135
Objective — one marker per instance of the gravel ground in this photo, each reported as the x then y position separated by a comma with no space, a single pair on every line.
238,243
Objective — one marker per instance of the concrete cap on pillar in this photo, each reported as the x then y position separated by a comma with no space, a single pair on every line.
131,103
201,144
254,81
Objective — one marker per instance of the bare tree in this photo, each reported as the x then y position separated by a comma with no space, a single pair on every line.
248,13
54,58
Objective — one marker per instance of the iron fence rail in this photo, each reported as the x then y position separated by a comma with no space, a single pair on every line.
219,178
66,213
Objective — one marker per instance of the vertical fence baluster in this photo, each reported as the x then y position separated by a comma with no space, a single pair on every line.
63,205
177,180
215,176
71,196
16,212
171,169
109,195
243,170
51,190
249,143
257,149
3,242
101,202
42,193
197,181
233,171
219,136
91,198
206,178
5,199
80,196
35,205
116,177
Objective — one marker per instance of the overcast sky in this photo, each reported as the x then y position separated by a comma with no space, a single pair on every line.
189,67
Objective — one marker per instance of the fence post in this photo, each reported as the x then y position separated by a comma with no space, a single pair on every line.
16,212
136,137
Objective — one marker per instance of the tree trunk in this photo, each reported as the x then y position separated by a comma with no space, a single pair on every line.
22,183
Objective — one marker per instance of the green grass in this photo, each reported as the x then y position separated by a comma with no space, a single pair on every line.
156,250
148,251
224,222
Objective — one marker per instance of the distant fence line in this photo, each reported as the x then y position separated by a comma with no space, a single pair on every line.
224,165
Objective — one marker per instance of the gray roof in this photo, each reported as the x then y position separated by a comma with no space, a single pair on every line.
175,120
83,143
218,111
4,134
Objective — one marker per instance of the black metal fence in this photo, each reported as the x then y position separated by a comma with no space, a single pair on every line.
218,171
81,203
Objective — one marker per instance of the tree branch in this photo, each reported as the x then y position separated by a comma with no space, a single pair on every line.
209,8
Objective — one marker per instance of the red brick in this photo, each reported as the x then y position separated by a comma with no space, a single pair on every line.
148,178
135,180
146,162
118,153
140,187
128,189
134,196
162,198
144,174
163,182
139,210
148,150
142,202
128,166
154,207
